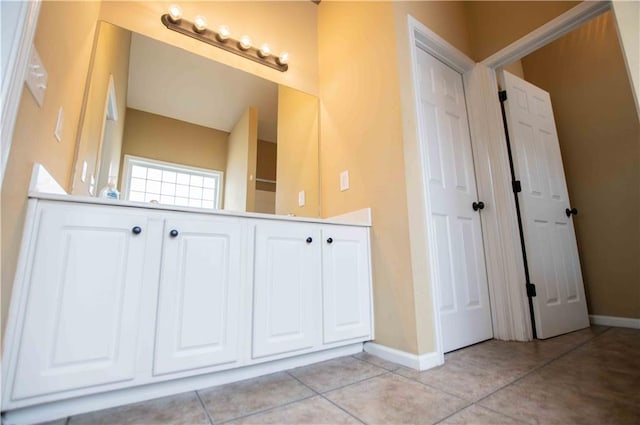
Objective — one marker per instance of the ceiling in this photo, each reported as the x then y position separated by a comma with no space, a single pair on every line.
172,82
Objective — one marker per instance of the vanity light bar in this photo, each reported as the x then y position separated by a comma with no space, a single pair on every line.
198,30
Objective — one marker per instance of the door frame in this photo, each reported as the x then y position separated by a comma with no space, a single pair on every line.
24,30
501,240
501,265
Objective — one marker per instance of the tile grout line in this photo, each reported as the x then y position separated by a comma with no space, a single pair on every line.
542,366
432,387
206,411
477,402
373,364
266,410
331,401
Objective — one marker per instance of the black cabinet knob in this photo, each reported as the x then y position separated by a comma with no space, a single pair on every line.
573,211
477,206
136,230
330,240
173,233
309,240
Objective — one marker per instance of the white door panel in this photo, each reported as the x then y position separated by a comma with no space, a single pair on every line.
199,301
81,324
456,242
554,266
287,285
346,283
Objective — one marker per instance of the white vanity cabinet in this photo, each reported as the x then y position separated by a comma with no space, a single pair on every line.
83,283
121,302
346,283
287,288
199,308
312,286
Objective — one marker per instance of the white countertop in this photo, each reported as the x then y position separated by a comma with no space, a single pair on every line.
356,218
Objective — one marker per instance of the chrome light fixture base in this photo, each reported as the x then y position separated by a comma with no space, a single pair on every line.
187,28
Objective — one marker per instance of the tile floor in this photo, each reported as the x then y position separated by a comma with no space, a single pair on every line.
586,377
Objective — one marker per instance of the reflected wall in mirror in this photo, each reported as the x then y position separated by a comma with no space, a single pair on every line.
174,127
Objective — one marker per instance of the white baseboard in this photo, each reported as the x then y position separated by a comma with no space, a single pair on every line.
74,406
413,361
620,322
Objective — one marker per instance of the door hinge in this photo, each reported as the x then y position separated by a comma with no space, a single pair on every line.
502,95
531,290
517,187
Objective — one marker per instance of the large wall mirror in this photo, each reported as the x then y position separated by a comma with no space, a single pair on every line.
169,126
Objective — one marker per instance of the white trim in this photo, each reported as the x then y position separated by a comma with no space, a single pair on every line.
503,256
129,161
620,322
422,38
437,46
547,33
413,361
265,180
503,259
12,81
64,408
488,120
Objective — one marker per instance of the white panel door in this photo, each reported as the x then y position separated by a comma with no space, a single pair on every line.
346,283
550,241
82,318
456,234
287,309
199,302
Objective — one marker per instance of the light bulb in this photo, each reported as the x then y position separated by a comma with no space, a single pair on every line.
175,13
264,51
223,33
245,42
283,59
200,23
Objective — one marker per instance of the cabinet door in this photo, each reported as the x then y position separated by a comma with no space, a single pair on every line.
346,283
199,302
84,291
287,314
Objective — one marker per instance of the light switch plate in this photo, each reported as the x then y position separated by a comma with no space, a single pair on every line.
36,77
344,180
301,198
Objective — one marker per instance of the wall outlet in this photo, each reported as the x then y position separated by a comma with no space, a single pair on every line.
59,125
344,180
301,198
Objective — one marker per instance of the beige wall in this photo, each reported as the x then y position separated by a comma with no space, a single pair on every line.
166,139
285,25
364,95
496,24
515,68
239,179
65,51
448,19
111,57
266,165
297,166
599,133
